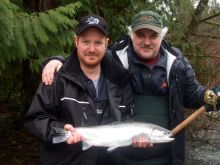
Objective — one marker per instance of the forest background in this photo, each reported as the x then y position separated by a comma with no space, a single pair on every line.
31,30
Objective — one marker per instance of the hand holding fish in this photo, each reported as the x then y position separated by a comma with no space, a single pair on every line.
141,142
73,137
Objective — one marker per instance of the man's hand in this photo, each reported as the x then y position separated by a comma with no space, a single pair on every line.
49,70
141,142
74,137
210,98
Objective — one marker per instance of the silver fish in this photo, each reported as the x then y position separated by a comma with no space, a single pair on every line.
118,134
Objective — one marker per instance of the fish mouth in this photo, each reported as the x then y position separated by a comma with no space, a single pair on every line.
162,140
169,139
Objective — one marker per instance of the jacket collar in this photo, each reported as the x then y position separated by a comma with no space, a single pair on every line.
113,71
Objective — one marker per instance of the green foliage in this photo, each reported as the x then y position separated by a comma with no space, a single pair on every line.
27,36
6,28
47,23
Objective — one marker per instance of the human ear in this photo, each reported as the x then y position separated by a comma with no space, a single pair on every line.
76,41
106,43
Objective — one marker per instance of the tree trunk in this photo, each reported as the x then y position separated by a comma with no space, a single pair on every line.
39,5
29,85
196,16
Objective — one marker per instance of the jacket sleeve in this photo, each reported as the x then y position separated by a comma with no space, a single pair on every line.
42,114
194,92
44,63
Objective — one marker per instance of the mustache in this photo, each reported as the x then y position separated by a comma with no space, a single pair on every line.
146,46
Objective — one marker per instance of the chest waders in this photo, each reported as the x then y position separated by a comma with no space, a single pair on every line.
150,109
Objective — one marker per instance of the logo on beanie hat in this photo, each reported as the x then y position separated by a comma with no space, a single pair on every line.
147,19
92,21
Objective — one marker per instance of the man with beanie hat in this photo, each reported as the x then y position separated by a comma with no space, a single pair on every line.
163,83
85,92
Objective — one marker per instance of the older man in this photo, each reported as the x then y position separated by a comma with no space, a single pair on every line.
163,83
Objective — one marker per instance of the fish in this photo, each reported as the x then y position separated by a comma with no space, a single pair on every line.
117,135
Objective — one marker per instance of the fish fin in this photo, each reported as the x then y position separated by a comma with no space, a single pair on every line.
60,135
59,139
110,149
85,146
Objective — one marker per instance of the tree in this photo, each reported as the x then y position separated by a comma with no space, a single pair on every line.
29,37
197,17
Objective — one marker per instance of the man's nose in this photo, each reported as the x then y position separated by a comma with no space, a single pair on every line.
146,40
92,48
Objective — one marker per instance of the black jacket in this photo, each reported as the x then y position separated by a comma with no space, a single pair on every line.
67,101
184,89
